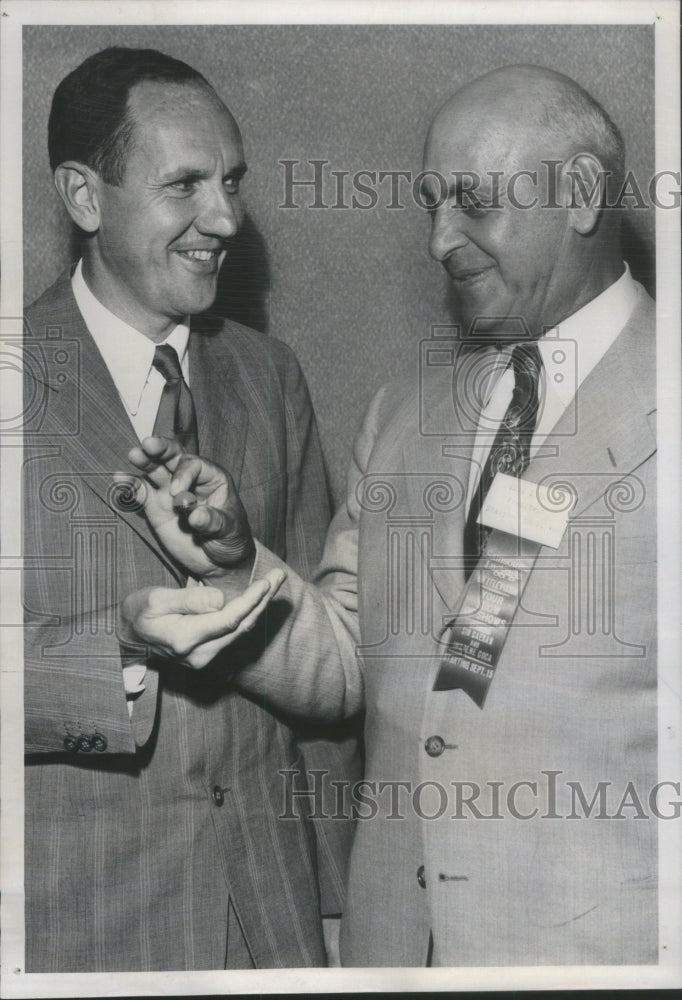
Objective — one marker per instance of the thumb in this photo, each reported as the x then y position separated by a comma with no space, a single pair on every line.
211,522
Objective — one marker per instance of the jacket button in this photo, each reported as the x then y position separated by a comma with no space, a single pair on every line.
84,744
218,795
421,876
434,746
70,744
99,742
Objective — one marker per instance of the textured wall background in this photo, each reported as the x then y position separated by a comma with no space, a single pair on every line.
353,292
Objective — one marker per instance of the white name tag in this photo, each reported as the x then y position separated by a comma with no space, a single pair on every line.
524,509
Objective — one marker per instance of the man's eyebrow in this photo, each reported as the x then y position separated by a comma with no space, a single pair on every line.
187,173
238,170
467,190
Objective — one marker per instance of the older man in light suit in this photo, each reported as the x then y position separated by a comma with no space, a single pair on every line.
153,838
508,805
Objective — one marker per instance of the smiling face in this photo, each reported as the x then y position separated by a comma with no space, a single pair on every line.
504,262
164,232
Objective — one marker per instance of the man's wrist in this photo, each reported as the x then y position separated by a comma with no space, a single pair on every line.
232,580
239,566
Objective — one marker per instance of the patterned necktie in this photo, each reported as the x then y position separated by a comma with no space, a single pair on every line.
510,451
175,416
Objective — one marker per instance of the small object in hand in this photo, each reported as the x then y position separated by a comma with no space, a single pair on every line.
184,502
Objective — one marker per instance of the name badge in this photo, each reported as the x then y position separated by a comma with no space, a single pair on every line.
525,509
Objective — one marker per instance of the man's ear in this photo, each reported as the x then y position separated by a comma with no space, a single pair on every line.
78,187
584,191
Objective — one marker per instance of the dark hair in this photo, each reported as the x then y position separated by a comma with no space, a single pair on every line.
89,119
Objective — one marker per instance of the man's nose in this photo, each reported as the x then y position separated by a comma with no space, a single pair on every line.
221,213
448,231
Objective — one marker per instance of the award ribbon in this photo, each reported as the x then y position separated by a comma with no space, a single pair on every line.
477,633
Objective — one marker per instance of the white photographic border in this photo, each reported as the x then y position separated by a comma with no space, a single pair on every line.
664,15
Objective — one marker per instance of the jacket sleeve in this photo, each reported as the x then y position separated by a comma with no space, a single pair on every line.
74,697
311,630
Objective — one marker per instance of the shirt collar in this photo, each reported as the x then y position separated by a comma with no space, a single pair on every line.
575,346
127,353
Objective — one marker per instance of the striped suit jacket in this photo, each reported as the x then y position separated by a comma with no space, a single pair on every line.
139,830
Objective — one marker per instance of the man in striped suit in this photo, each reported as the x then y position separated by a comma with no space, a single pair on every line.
153,790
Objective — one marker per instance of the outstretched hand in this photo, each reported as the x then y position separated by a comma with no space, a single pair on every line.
207,538
192,626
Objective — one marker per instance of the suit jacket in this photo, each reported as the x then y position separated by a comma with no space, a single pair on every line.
485,832
138,830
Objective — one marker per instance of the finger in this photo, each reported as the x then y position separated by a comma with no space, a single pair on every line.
275,579
250,620
218,624
205,651
158,476
195,473
187,470
156,457
184,601
209,522
202,654
163,450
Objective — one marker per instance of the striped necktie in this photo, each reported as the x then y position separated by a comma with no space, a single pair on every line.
510,451
176,416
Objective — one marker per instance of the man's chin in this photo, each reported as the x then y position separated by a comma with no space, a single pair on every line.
197,300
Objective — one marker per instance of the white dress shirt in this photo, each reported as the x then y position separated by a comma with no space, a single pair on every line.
569,352
129,355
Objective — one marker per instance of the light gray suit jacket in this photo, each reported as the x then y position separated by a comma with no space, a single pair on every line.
138,831
571,710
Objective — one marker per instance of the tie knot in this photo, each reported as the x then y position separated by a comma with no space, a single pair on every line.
527,363
167,362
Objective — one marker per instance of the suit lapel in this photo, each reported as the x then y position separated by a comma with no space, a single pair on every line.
607,432
105,434
605,435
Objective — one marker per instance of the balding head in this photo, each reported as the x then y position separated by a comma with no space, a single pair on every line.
516,165
537,111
